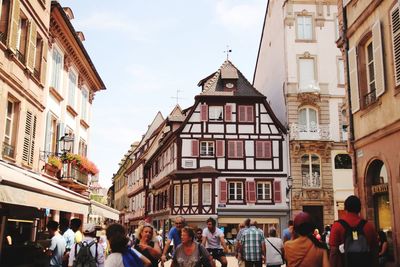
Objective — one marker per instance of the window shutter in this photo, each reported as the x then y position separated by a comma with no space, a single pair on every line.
231,149
60,133
220,148
222,192
44,62
378,58
31,46
355,95
259,149
267,149
27,138
239,149
228,113
249,111
203,112
33,141
395,22
47,141
277,192
195,148
242,113
251,192
13,26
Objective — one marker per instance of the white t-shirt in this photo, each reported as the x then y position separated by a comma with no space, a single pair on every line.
213,239
115,259
273,256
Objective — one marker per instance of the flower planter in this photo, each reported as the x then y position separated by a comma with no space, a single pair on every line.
51,170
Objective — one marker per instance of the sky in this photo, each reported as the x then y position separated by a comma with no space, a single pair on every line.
146,50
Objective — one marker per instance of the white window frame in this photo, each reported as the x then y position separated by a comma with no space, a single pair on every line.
237,191
266,188
340,69
177,195
186,194
85,100
216,113
206,199
306,84
370,61
301,22
309,126
310,179
195,194
207,148
72,84
56,75
9,122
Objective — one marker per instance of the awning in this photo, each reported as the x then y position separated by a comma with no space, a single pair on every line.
104,211
237,220
26,188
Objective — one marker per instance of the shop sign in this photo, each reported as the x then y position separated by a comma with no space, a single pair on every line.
221,205
380,188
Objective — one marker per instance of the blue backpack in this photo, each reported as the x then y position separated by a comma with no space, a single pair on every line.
130,259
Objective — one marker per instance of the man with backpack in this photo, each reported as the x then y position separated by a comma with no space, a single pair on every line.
353,241
87,253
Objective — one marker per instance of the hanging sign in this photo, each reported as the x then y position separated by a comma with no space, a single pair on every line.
380,188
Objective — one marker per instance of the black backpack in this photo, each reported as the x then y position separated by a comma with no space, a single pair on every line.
356,248
84,257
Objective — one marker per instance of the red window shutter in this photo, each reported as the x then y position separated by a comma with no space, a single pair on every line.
251,192
277,192
259,149
231,149
267,149
195,148
222,192
220,148
228,113
249,111
239,149
203,112
242,113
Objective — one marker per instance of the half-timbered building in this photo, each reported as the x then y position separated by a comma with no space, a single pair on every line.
224,157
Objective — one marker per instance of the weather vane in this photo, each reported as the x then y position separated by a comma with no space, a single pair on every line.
227,51
177,96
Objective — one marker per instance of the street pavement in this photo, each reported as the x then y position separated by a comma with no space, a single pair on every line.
232,262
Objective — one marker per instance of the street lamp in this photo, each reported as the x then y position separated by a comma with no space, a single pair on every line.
289,186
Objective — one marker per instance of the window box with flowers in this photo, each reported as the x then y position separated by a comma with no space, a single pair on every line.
53,165
82,163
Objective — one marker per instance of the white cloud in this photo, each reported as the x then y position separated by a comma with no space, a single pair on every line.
240,16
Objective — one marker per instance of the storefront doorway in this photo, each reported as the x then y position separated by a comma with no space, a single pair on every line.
317,214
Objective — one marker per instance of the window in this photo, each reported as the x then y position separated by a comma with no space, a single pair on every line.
264,191
85,98
38,57
235,149
186,195
311,170
342,161
82,148
308,121
236,191
71,88
307,80
304,28
215,113
177,195
4,18
56,70
206,148
337,28
340,75
370,97
207,190
195,194
263,149
395,19
10,128
22,35
246,114
28,151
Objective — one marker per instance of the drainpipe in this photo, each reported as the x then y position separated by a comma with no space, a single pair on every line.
351,118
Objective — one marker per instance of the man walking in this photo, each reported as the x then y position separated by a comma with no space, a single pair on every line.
340,233
287,233
213,240
173,235
57,245
252,245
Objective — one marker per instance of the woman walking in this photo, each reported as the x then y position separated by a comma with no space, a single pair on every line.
148,244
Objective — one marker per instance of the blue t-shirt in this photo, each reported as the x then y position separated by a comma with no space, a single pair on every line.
286,234
175,236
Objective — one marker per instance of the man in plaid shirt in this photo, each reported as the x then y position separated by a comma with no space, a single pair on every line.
252,244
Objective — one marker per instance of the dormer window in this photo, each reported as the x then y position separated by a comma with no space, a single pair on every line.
215,113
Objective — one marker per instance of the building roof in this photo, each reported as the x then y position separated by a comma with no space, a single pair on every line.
212,85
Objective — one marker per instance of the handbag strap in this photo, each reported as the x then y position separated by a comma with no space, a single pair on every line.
280,253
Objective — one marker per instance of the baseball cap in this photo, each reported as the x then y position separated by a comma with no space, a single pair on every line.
89,228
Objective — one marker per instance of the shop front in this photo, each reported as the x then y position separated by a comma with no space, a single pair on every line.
27,202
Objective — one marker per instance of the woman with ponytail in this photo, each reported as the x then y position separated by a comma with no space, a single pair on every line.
305,250
121,254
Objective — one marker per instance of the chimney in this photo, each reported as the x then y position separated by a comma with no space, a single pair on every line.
81,36
69,13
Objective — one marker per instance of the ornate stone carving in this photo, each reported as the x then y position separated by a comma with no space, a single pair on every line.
306,98
81,81
67,63
313,194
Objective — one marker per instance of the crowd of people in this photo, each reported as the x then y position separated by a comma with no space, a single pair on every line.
351,241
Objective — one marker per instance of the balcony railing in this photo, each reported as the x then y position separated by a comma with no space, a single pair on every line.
73,172
20,57
309,132
370,98
312,180
8,150
36,73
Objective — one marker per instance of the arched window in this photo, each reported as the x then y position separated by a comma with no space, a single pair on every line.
311,170
308,119
342,161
